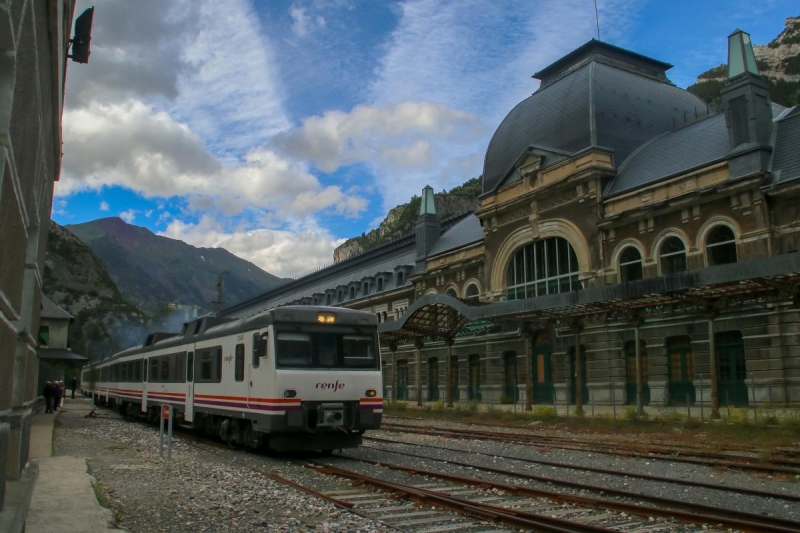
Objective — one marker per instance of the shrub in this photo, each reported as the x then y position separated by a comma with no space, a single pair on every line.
739,415
506,400
544,413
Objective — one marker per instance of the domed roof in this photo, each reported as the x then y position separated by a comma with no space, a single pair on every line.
596,96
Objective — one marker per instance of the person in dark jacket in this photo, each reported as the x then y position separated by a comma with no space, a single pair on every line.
49,394
74,385
57,395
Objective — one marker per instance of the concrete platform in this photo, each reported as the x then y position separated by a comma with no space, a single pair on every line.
63,497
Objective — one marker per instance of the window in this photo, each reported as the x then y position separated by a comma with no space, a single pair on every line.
209,363
365,288
472,292
721,246
380,284
400,280
673,256
259,348
239,372
327,299
153,369
547,266
352,293
44,335
630,264
332,348
451,292
190,367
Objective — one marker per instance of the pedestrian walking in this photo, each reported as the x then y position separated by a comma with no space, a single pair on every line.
74,385
49,393
57,394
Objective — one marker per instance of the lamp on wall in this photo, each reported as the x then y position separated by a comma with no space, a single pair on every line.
83,36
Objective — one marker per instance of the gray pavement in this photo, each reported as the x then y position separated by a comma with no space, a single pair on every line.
63,498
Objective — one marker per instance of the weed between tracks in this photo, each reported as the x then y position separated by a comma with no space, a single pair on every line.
769,428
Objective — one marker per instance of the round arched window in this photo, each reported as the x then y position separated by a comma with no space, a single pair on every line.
472,292
630,264
721,246
543,267
673,256
451,292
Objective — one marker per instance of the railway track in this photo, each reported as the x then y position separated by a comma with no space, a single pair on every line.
676,454
657,506
608,471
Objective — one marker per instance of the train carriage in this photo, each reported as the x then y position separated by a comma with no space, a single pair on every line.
292,378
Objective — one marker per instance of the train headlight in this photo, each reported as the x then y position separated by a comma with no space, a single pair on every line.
326,318
371,393
290,393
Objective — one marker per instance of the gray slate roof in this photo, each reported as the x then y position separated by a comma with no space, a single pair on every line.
467,231
51,310
595,105
786,157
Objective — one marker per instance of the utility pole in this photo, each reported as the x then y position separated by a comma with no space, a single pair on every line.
218,302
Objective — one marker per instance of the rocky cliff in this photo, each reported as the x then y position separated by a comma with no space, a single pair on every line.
400,220
778,63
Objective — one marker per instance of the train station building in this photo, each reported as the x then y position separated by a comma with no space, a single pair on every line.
631,246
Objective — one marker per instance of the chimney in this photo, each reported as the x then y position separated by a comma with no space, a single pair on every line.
747,107
428,227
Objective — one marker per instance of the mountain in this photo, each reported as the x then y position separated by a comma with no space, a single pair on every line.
77,281
778,63
159,274
401,219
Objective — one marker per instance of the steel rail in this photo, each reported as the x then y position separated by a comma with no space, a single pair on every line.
746,521
468,507
532,441
621,473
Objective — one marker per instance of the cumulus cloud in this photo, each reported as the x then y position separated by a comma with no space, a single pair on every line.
398,134
128,215
103,206
142,149
284,253
304,23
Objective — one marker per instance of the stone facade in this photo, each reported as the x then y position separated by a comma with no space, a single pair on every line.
33,42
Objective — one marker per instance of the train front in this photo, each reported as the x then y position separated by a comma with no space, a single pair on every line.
328,374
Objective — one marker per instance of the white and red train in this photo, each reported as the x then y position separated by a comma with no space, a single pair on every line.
292,378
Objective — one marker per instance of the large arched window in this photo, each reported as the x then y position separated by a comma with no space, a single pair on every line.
721,246
543,267
472,292
673,256
451,292
630,264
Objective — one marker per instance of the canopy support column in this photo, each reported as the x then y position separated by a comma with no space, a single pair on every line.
449,343
578,372
712,359
528,335
418,344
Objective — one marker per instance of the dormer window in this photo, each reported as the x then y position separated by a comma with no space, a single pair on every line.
352,293
380,284
400,279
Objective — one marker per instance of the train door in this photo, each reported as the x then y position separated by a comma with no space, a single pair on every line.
144,383
256,381
188,413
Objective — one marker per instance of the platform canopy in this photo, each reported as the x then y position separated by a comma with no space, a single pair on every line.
703,291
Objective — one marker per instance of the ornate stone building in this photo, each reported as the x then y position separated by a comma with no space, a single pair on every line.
631,247
33,51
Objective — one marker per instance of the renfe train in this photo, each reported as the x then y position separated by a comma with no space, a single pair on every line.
292,378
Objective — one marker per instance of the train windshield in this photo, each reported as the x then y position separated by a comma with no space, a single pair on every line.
326,348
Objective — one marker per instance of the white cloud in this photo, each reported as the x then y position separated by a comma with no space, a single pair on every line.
128,215
303,23
148,213
284,253
103,206
135,146
397,134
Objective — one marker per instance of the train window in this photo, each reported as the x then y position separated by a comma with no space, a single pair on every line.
326,350
137,368
209,363
359,351
239,362
164,369
190,368
259,348
153,370
293,349
177,369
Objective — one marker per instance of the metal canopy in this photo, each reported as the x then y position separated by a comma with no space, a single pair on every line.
702,291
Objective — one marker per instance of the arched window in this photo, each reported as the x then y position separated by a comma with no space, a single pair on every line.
472,292
400,280
543,267
352,292
721,246
380,284
630,264
673,256
451,292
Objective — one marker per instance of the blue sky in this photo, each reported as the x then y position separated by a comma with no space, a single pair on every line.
278,128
